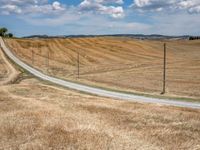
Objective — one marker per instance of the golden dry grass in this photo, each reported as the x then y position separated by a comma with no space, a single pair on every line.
37,116
3,70
7,72
118,63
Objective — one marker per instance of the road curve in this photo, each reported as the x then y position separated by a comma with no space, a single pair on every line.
93,90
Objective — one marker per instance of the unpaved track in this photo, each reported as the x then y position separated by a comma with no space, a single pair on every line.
12,72
93,90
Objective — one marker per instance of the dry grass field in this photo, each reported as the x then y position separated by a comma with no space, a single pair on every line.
7,71
38,116
118,63
3,70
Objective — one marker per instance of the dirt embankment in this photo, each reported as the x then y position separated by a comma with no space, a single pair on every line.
8,73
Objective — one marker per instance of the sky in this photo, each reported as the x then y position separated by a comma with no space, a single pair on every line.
65,17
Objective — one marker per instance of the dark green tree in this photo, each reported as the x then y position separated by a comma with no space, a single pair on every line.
10,35
3,31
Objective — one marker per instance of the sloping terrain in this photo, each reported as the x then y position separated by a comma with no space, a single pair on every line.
117,63
38,116
7,72
35,115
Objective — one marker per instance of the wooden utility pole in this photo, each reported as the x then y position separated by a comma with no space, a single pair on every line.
78,65
164,70
32,57
47,60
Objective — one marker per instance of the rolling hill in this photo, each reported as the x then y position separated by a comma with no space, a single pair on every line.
119,63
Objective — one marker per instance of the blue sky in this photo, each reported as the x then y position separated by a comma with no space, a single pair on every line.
64,17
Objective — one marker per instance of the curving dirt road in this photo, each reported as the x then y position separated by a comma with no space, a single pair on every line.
93,90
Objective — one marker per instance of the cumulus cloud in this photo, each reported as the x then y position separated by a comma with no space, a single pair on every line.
110,1
109,7
195,9
9,8
115,12
153,5
29,6
22,2
192,6
57,6
103,7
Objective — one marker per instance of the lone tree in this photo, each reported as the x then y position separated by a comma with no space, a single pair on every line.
3,33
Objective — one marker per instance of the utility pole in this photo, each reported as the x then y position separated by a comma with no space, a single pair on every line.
78,65
47,60
164,70
32,57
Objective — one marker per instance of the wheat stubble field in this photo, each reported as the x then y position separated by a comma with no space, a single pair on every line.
7,72
36,115
117,63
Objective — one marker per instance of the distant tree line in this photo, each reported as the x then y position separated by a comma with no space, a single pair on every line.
4,33
194,38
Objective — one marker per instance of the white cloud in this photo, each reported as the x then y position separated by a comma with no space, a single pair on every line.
87,18
72,22
69,16
29,6
103,7
57,6
23,2
195,9
192,6
115,12
176,24
7,9
110,1
41,7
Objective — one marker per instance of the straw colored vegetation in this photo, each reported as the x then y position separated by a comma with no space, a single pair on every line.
35,115
7,71
3,70
117,63
38,116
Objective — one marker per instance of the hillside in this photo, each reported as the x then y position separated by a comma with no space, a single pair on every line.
117,63
134,36
7,72
36,115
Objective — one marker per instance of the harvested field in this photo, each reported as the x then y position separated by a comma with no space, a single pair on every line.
38,116
3,70
117,63
7,72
